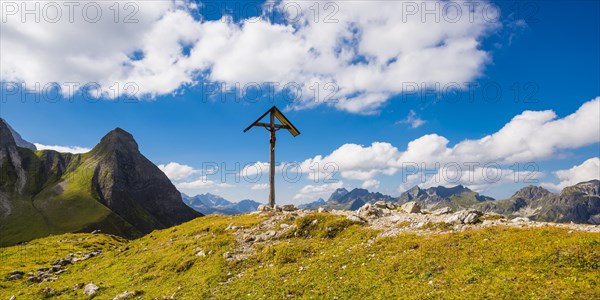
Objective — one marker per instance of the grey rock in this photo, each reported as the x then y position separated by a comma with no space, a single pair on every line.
470,216
355,218
288,207
125,295
380,204
62,262
90,289
411,207
442,211
369,211
16,274
264,208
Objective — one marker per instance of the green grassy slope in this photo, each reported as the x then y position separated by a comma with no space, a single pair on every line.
325,259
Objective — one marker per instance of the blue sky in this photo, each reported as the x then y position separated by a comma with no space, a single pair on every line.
549,52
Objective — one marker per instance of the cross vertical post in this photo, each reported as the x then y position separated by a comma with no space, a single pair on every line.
272,164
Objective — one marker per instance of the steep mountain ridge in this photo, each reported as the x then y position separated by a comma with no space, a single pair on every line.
19,141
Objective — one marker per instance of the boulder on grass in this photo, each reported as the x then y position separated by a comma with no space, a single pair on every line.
411,207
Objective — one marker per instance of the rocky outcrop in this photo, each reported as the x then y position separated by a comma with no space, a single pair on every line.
470,216
411,207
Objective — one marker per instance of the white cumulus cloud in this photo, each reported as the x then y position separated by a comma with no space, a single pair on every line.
529,136
67,149
176,171
314,192
354,59
259,186
588,170
202,183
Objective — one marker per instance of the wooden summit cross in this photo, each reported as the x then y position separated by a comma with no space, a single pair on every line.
274,112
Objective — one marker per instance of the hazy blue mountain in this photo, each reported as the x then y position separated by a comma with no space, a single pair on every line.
353,200
213,204
313,205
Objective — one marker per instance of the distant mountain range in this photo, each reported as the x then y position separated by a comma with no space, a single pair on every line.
213,204
113,188
579,203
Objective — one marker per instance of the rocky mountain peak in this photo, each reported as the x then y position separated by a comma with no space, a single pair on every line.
531,192
338,193
117,140
414,192
445,192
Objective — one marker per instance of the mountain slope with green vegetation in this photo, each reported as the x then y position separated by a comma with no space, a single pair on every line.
314,255
112,188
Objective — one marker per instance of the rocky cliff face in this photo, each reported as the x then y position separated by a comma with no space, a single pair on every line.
13,174
113,188
579,204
